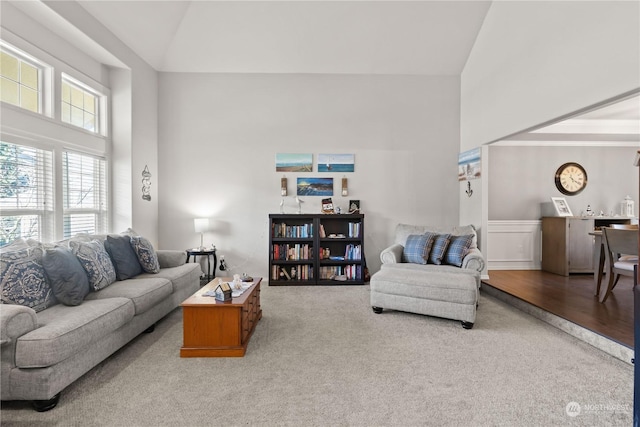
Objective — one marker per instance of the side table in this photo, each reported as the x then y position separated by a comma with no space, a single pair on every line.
209,253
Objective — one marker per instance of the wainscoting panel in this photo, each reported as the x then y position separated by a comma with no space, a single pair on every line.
514,245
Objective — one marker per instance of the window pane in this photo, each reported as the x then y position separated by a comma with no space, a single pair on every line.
79,223
9,91
90,122
29,99
66,113
76,97
89,103
66,93
9,66
76,116
15,227
29,75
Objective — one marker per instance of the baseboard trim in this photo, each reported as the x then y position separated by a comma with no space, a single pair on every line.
607,345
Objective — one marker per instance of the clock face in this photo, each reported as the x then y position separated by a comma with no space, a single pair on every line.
571,178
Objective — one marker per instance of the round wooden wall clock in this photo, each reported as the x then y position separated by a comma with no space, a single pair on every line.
571,178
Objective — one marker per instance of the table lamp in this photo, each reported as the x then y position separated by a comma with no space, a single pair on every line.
201,225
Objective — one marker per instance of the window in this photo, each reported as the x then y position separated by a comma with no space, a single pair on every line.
80,105
84,194
20,80
26,193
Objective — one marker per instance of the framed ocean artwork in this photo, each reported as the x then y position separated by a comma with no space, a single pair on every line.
294,162
336,162
315,187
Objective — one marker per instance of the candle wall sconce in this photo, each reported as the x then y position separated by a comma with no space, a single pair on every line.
283,186
345,187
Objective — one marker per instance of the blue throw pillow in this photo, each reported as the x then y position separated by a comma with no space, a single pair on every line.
146,254
123,256
23,280
458,247
417,247
439,248
68,279
96,262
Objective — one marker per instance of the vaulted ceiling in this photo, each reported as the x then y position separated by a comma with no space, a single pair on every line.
341,37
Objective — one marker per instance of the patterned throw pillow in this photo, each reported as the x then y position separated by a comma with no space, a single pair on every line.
458,248
67,277
146,254
96,262
23,280
439,248
416,249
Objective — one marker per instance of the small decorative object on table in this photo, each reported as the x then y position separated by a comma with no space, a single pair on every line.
354,206
223,292
327,206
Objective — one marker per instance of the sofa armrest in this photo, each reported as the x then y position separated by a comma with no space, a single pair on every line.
15,321
474,260
392,254
171,258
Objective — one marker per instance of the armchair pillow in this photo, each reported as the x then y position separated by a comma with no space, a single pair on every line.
439,248
417,248
459,246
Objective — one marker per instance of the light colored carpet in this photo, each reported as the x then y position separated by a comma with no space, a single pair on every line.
320,356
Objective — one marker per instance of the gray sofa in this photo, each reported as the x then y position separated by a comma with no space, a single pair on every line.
44,351
448,290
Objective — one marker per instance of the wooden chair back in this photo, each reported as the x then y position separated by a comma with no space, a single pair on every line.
620,241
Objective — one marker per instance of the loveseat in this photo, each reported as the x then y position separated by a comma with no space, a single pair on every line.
68,305
432,271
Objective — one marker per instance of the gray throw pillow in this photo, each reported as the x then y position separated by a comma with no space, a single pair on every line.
123,256
68,279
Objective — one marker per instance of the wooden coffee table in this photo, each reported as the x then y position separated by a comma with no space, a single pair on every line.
219,329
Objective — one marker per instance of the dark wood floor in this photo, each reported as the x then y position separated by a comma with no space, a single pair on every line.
572,298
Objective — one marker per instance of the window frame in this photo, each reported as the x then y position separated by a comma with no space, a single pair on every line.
100,101
43,69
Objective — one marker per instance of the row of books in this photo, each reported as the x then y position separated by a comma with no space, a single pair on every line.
299,272
292,252
351,272
353,230
296,231
351,252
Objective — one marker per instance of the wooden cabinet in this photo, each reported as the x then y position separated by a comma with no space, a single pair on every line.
567,246
316,249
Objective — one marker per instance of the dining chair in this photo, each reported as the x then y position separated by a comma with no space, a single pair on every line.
621,250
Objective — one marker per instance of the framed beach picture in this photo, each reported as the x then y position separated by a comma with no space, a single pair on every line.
562,208
294,162
469,166
315,187
336,162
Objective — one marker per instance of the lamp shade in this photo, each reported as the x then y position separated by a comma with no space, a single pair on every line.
201,224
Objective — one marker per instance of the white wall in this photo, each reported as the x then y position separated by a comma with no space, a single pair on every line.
135,136
534,61
523,177
219,135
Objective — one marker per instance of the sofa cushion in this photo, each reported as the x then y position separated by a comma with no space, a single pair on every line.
146,254
458,247
96,262
439,248
144,292
23,280
123,256
181,276
64,331
417,248
67,277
